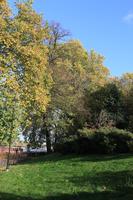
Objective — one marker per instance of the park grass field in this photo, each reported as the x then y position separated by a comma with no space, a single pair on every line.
57,177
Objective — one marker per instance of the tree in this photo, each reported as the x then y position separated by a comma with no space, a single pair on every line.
125,84
129,109
56,33
23,66
105,106
68,74
9,88
97,73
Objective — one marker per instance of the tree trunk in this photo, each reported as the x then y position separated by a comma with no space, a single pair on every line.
9,152
48,141
47,134
10,139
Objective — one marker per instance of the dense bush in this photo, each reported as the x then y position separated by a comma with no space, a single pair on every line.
113,140
104,141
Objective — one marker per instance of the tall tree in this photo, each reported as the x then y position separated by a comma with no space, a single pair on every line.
67,62
23,65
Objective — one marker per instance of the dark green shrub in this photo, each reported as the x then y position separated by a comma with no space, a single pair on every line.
130,146
104,141
67,145
113,140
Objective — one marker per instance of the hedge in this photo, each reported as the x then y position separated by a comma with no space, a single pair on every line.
103,141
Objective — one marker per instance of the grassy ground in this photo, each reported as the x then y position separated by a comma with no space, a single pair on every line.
57,177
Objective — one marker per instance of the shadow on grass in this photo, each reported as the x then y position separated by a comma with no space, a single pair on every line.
73,157
120,182
77,196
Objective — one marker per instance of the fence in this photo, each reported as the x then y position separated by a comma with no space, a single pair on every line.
3,163
15,157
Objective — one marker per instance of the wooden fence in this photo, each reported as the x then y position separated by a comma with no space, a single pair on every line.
16,156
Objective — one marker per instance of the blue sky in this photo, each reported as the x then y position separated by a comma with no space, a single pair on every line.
103,25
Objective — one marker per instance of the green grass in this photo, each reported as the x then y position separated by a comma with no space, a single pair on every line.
56,177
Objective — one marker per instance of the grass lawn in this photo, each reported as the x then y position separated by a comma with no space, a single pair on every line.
56,177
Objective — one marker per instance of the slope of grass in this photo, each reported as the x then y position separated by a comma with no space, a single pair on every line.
54,177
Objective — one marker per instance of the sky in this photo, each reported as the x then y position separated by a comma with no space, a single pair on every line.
103,25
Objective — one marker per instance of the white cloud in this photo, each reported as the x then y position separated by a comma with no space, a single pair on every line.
128,18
